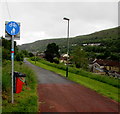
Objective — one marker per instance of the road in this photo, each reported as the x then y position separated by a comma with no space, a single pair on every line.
57,94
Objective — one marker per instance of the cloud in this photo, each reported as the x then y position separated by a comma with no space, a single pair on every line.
43,20
61,0
29,37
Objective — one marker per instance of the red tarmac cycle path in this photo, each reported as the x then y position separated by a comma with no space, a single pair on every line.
73,98
57,94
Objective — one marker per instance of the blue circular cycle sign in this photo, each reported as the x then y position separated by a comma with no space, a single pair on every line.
12,28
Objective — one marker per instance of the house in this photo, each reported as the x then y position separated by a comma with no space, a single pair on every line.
41,55
92,44
63,58
106,67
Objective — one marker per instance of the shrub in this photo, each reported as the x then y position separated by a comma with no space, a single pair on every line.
35,58
19,56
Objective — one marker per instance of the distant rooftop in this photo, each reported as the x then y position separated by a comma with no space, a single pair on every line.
107,62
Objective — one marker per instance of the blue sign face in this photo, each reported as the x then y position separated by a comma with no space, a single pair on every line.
12,28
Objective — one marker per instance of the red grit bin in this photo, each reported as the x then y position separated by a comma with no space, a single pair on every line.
19,80
19,84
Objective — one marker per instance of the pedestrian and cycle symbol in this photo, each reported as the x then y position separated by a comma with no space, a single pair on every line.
12,28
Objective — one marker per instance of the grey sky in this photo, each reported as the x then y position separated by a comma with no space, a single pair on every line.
43,20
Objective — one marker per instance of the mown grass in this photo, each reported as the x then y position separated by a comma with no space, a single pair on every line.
100,87
26,101
106,79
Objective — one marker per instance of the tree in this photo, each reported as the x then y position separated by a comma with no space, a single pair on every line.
51,52
6,54
25,52
30,54
6,48
80,58
107,54
19,56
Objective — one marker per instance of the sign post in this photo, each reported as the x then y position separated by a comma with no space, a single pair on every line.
12,29
12,59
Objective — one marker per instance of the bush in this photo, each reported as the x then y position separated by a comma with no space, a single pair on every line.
6,77
19,56
30,54
35,58
6,54
56,60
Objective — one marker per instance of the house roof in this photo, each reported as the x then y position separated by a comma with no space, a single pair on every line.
107,62
65,55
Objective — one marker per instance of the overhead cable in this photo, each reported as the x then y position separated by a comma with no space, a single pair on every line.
8,10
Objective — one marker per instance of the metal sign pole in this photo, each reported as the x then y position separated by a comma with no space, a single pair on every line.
12,28
12,59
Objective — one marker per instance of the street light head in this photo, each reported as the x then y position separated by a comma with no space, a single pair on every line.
66,18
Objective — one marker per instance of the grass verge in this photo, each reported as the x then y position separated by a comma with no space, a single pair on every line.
26,101
100,87
105,79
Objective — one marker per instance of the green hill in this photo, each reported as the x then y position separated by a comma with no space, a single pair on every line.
107,38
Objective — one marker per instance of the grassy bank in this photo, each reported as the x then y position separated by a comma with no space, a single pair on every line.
106,79
102,88
26,101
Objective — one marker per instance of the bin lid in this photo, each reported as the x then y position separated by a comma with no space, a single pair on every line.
19,74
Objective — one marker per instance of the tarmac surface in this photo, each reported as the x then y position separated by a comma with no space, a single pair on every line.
57,94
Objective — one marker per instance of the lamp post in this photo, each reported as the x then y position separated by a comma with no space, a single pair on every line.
36,56
67,45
